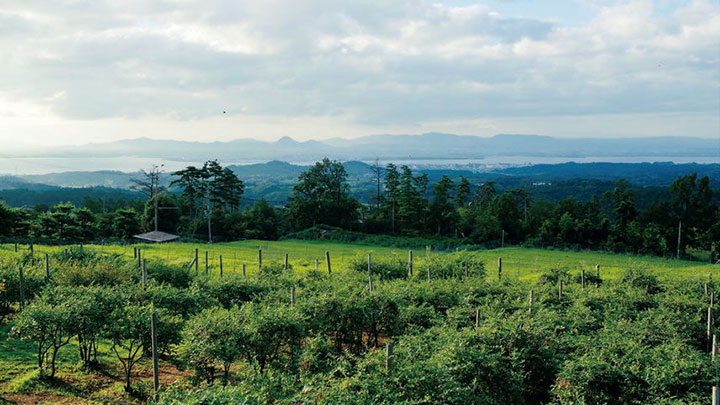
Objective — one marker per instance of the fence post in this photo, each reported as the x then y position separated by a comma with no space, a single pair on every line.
292,295
244,274
715,395
15,247
428,274
477,318
22,288
706,289
153,332
197,260
139,258
410,262
32,248
206,263
582,279
221,267
327,259
259,259
532,299
286,261
370,281
709,327
134,253
47,267
144,272
713,352
499,268
467,270
66,254
317,265
389,356
192,263
560,290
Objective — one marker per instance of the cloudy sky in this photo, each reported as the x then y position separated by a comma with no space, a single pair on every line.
77,71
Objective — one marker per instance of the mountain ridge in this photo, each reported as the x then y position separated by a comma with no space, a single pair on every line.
430,145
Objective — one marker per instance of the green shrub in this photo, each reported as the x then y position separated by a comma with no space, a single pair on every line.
382,268
452,265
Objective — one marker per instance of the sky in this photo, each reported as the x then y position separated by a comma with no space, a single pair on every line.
80,71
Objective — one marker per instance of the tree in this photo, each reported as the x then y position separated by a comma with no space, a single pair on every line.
128,329
443,215
271,332
322,196
149,184
377,172
211,188
692,207
464,191
126,223
47,323
392,185
214,336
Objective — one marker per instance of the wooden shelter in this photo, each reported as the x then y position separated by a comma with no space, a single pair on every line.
157,237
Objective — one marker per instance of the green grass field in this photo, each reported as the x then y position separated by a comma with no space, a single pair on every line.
518,263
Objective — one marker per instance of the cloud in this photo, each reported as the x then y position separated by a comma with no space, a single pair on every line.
376,64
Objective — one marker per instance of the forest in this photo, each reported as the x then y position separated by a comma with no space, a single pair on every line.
208,203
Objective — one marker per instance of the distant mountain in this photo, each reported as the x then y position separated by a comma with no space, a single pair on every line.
424,146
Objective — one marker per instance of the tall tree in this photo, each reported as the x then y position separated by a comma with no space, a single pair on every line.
322,196
149,184
392,186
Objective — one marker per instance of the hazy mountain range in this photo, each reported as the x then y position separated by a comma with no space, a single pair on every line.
425,146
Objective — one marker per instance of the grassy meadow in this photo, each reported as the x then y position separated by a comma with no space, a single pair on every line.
518,262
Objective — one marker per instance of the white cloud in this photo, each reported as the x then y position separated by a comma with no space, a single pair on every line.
354,66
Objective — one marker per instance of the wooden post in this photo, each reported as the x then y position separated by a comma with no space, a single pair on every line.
715,395
292,295
477,318
369,271
47,267
709,327
327,259
22,288
197,259
221,267
713,352
467,270
679,233
597,271
206,263
582,279
259,259
410,263
15,247
389,356
560,289
66,254
144,272
192,263
428,274
244,273
317,265
532,299
139,259
134,253
286,261
706,289
153,332
32,248
499,268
